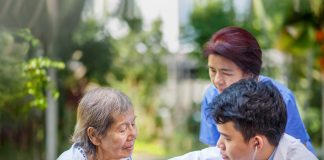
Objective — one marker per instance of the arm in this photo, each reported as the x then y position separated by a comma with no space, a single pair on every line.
208,131
295,126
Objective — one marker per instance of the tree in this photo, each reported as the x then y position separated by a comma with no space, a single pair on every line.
206,19
31,82
46,20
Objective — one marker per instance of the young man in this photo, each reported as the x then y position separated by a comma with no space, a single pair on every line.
251,119
234,54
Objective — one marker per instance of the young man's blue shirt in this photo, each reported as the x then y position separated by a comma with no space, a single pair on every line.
295,127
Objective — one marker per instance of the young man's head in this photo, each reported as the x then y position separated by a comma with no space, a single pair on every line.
251,118
233,53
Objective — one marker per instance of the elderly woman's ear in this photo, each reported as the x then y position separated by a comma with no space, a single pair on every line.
93,136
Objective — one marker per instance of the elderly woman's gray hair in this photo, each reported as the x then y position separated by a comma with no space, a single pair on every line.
97,109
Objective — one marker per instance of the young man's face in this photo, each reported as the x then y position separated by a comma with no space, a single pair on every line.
223,72
232,144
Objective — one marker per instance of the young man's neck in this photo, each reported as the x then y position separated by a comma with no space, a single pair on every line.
266,151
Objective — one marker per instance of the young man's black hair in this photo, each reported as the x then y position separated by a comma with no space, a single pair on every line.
254,108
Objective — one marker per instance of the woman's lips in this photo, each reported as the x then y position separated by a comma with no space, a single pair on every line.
129,147
224,157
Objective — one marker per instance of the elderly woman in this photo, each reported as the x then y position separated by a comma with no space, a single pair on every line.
105,127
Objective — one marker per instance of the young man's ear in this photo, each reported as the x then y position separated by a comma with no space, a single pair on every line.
93,136
258,142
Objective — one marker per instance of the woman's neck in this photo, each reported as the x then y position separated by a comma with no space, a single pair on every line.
99,157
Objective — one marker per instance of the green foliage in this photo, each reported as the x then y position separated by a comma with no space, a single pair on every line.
23,98
185,138
11,56
27,86
86,31
35,73
95,48
129,12
149,147
297,39
206,19
181,142
21,112
137,70
38,82
25,35
146,48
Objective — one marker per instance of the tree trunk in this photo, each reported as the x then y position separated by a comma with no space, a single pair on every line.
51,121
52,106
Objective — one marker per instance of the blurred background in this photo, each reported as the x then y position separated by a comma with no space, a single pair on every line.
53,51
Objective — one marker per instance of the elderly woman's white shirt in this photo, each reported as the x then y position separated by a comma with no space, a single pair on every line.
76,153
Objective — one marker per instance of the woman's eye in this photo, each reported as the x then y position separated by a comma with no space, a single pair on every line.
228,74
122,129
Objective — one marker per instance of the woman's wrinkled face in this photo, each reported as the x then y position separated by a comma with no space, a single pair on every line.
223,72
120,137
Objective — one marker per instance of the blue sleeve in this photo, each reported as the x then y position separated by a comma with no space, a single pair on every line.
208,132
295,126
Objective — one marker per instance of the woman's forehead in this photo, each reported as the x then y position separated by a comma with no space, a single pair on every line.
124,117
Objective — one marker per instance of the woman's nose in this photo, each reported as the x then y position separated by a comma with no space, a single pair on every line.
220,144
218,80
133,132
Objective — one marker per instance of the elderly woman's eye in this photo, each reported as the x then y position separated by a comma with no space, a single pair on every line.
122,129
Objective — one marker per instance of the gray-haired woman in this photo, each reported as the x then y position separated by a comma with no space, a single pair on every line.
105,127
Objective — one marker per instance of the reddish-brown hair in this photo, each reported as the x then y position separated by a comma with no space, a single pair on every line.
237,45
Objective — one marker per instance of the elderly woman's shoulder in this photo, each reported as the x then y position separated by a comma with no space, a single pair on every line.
77,153
74,153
